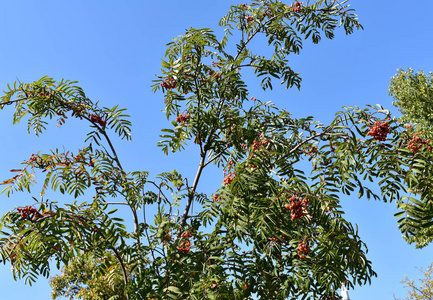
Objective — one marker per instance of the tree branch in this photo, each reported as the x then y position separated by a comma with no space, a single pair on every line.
191,196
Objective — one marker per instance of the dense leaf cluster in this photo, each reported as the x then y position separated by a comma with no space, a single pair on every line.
413,93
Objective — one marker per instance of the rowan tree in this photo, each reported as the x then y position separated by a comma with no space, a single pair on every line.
273,230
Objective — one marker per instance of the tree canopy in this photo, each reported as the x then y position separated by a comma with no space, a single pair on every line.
87,278
422,292
273,230
413,94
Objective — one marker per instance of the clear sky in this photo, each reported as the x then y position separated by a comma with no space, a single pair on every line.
113,48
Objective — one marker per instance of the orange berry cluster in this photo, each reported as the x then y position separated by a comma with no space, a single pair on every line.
216,197
249,19
229,178
282,239
186,234
166,238
244,5
417,142
169,83
273,239
29,213
297,6
182,118
97,119
257,144
297,207
184,246
379,130
302,248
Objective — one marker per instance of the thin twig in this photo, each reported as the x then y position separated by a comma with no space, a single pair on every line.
216,156
13,101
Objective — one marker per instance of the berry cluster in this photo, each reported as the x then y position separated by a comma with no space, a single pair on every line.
166,238
273,239
244,5
249,19
297,207
257,144
216,197
297,6
33,158
229,178
97,119
379,130
186,234
182,118
282,239
417,142
302,248
29,213
169,83
184,246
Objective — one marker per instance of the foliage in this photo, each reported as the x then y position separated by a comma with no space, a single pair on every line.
85,277
274,230
425,290
413,93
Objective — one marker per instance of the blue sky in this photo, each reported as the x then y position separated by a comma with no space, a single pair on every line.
113,48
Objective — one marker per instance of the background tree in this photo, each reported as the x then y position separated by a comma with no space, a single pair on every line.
275,229
85,277
413,94
425,290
